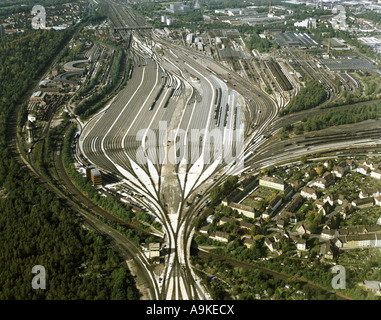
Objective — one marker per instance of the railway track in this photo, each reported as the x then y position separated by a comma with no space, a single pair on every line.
279,76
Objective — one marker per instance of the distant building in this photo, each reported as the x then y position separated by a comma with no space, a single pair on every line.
164,19
96,177
309,23
37,96
374,286
178,8
170,21
189,38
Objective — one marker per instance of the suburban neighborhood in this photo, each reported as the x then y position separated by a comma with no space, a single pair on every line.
308,205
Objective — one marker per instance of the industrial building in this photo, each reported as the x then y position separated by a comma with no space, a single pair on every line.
178,8
154,250
94,175
300,40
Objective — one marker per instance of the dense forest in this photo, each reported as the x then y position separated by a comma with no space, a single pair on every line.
336,118
35,227
308,97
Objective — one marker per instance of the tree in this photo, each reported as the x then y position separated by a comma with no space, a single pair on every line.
303,159
319,170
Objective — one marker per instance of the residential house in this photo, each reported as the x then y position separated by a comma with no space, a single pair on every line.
220,236
379,221
303,228
370,192
287,215
272,182
210,219
329,234
377,201
341,169
323,207
363,203
270,243
363,194
245,225
308,193
267,213
275,203
248,242
309,172
330,198
294,203
374,286
371,240
346,209
376,174
327,250
224,220
288,192
368,164
327,180
244,210
290,215
351,164
340,199
327,163
331,223
280,223
205,229
278,236
301,244
363,169
293,218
